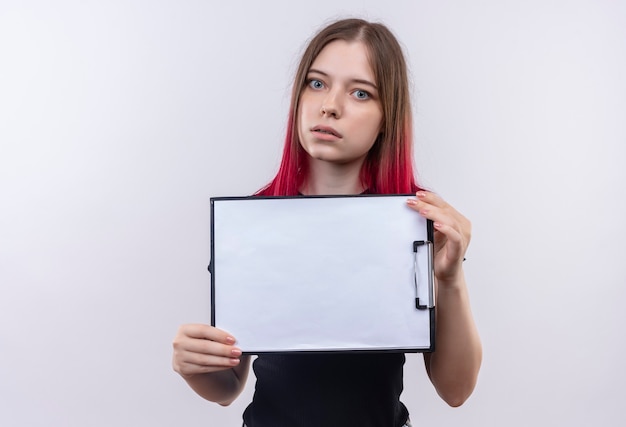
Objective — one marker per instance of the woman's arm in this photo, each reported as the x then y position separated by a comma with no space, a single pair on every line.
210,363
453,367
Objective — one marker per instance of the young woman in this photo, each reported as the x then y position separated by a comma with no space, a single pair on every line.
349,132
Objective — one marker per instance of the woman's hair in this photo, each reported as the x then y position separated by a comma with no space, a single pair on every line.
388,167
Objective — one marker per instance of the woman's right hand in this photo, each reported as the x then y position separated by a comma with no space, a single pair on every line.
200,349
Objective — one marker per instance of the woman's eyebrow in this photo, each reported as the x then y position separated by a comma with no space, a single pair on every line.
361,81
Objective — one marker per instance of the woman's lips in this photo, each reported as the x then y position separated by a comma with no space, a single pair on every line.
327,131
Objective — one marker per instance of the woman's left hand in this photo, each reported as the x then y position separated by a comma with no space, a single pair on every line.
452,233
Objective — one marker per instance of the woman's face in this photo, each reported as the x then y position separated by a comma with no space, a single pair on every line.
340,114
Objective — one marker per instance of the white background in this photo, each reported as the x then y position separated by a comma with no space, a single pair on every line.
119,119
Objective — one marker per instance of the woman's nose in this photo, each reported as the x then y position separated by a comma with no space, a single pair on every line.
330,106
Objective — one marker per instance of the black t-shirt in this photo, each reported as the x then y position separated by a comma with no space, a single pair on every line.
327,389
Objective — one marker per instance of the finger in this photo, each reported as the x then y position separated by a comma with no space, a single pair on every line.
201,331
210,360
453,220
425,204
455,247
204,365
442,212
201,346
435,200
434,213
431,199
186,348
420,206
194,356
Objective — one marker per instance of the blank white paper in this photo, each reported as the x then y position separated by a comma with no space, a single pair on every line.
320,273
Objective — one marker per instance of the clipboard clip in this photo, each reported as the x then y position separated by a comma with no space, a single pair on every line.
431,300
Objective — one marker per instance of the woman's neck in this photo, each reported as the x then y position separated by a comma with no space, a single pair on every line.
327,178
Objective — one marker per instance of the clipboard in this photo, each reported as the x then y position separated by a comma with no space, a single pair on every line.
322,274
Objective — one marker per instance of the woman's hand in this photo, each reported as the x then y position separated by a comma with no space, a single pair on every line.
452,234
200,349
453,368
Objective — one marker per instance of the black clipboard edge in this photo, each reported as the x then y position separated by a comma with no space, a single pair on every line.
323,196
210,268
430,233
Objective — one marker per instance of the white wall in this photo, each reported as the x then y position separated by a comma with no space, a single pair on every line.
119,119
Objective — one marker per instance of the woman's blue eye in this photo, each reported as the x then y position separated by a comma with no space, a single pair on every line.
316,84
361,94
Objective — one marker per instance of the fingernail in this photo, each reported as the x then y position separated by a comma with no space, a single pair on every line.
412,202
437,225
234,361
230,340
420,194
235,352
